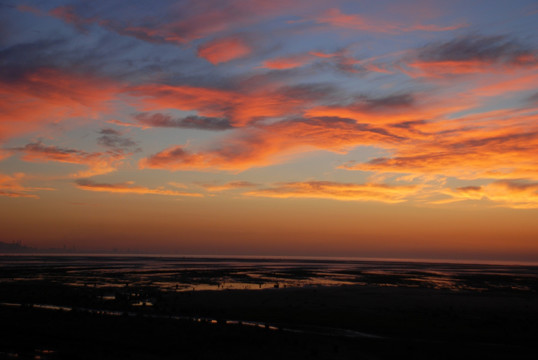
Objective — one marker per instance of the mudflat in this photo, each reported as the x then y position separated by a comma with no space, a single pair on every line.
488,313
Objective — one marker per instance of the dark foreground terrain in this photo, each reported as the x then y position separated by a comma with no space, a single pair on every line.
42,317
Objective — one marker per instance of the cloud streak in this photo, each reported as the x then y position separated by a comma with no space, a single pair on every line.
339,191
336,18
129,188
472,54
232,185
11,186
188,122
98,162
515,194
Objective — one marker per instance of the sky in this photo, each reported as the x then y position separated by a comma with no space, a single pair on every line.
397,129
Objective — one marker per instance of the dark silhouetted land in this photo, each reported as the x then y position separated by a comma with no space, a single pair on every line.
146,308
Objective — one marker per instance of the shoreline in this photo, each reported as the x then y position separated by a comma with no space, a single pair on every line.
314,259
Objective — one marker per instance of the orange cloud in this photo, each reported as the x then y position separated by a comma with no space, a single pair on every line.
207,101
245,106
339,191
46,96
271,144
98,162
394,109
520,81
10,186
419,130
516,194
224,49
129,188
508,193
496,145
241,106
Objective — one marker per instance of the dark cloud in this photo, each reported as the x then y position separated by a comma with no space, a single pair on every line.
101,53
477,47
519,185
412,126
533,99
16,58
259,144
52,151
351,125
409,124
90,183
188,122
385,102
311,92
109,131
97,162
173,22
409,161
105,55
113,139
508,142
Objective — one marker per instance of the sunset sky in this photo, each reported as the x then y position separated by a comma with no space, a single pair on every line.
404,129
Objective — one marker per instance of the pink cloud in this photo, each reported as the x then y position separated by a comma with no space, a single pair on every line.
336,18
288,62
224,49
